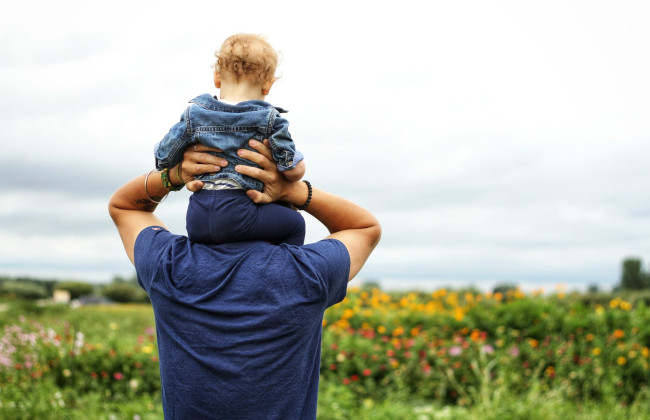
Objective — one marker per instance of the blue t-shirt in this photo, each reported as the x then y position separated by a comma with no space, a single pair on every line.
239,325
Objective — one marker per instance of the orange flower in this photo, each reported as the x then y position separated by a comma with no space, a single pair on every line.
619,334
550,372
398,331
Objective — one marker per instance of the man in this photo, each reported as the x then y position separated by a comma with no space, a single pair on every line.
239,324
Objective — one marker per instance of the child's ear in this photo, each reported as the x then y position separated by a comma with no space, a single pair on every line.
217,79
266,87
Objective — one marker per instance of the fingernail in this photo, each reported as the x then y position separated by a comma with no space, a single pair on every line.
253,143
240,152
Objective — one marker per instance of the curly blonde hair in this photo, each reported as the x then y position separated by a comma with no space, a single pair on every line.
249,56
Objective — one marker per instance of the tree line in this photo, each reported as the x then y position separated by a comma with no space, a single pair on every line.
122,290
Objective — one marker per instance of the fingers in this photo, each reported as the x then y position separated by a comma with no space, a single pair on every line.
262,154
265,176
198,147
196,161
258,197
194,186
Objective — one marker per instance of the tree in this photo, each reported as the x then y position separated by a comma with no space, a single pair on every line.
22,290
632,276
125,292
76,289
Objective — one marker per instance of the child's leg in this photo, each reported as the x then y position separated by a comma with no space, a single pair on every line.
230,216
279,224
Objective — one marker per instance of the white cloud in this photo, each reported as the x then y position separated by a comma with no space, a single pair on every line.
492,139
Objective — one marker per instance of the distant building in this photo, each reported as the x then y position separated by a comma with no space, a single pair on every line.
61,296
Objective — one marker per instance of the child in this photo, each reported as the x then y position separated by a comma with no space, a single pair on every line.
222,212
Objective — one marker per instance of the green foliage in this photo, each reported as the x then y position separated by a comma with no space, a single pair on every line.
462,349
632,275
81,363
125,293
76,289
504,288
22,290
425,356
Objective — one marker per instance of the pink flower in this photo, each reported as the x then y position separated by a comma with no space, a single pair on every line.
487,349
118,376
455,351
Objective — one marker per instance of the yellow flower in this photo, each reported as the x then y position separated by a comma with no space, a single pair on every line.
147,349
596,351
645,352
590,337
532,342
112,326
458,313
66,372
621,360
381,329
347,313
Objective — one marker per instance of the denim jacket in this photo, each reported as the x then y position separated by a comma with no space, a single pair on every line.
229,127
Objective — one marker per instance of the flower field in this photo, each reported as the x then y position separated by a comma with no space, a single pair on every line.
464,348
443,354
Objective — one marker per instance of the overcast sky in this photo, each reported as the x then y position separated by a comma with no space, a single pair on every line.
496,141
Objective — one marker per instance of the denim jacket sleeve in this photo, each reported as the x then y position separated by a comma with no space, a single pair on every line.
169,152
282,146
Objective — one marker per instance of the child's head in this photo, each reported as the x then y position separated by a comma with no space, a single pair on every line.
246,58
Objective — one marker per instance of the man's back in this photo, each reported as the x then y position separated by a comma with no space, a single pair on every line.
242,320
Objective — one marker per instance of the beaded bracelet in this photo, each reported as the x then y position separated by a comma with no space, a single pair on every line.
304,206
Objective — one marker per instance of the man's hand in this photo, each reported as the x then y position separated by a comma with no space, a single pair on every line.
197,162
276,186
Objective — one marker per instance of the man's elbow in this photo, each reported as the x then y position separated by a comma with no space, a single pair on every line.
375,233
114,208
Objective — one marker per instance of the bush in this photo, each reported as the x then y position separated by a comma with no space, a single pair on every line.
22,290
125,293
76,289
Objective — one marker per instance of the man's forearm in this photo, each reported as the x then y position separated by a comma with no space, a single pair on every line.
337,213
134,196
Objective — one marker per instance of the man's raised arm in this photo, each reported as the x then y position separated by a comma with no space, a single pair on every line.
351,224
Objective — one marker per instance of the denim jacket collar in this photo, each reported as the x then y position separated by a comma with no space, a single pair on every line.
210,102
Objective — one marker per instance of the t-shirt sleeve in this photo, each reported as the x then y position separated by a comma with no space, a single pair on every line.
150,244
331,259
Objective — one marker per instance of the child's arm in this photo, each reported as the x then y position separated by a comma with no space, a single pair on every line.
283,150
169,151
